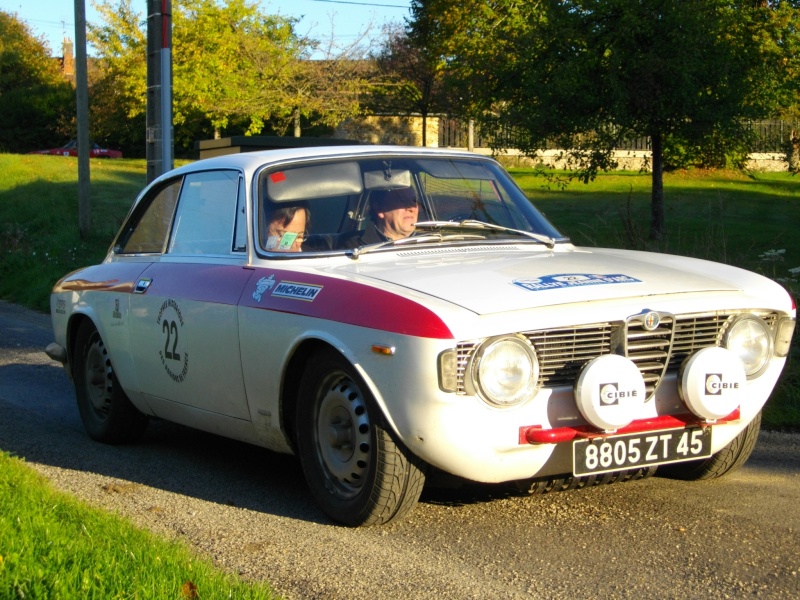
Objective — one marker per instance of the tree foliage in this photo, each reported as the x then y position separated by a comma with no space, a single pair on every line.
234,68
231,60
118,87
583,74
410,76
325,91
783,47
36,103
213,47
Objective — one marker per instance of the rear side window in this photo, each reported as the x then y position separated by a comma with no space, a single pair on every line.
206,215
148,233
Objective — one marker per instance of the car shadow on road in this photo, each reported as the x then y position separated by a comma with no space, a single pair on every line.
169,457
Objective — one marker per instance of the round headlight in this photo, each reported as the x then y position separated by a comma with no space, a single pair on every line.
749,338
505,371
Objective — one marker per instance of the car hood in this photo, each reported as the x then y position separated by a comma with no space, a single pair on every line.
496,281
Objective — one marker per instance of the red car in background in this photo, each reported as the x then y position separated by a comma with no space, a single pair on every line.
71,149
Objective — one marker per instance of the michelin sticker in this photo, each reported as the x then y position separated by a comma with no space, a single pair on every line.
297,291
571,280
264,284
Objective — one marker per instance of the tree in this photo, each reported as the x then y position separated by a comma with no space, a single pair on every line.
325,91
118,84
233,67
37,104
232,60
410,73
584,74
227,59
782,45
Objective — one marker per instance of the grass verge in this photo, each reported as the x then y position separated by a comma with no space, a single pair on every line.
39,237
52,546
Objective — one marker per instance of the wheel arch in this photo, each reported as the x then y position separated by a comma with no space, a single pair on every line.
76,320
290,387
292,376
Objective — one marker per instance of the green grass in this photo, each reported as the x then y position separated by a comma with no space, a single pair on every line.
39,238
745,220
723,216
52,546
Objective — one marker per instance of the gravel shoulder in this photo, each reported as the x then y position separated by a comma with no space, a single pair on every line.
249,510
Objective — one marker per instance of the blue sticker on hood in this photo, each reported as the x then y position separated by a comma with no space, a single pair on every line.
571,280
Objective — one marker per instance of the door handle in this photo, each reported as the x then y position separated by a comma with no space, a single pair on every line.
142,285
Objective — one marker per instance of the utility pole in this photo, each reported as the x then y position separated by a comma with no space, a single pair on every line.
159,88
82,101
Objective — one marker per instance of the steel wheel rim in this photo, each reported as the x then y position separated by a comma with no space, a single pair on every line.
98,372
343,436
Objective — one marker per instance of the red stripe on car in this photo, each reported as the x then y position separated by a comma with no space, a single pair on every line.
342,301
303,294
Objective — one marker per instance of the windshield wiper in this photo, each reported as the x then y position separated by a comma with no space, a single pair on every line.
438,236
473,224
414,239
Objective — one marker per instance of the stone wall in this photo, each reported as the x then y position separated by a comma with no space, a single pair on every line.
404,131
627,160
407,131
767,161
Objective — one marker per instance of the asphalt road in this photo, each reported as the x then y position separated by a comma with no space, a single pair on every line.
249,510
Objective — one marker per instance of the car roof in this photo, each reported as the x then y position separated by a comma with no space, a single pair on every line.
248,161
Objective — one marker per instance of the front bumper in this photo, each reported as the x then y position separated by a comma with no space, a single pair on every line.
57,352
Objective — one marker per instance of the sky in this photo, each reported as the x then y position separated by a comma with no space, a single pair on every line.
55,19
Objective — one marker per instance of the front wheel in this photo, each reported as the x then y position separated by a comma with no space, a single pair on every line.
106,412
729,459
357,472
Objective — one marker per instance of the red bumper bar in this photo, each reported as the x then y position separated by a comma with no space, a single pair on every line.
534,434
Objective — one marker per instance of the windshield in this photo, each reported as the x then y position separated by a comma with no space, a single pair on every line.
375,203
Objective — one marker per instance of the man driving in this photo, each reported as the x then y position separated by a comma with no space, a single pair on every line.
393,214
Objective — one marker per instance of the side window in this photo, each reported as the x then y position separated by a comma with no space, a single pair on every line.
204,222
148,234
240,233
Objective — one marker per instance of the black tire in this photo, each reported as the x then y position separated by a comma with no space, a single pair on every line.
357,472
107,414
727,460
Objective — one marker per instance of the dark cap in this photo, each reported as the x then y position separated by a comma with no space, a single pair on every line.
383,200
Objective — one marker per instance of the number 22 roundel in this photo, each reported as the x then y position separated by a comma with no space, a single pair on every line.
174,355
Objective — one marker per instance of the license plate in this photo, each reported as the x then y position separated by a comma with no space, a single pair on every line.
618,452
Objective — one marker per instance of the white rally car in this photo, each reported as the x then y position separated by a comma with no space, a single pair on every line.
484,346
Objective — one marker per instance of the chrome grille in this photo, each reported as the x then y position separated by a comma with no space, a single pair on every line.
562,352
649,350
694,332
463,353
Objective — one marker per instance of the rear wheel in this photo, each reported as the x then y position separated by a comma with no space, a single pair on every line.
356,470
107,413
730,458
